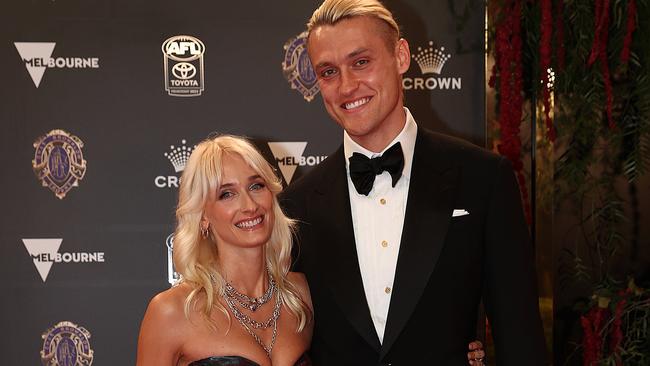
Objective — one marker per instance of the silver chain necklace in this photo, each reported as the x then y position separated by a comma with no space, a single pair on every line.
233,298
250,303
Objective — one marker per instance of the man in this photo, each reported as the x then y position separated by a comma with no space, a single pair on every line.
399,259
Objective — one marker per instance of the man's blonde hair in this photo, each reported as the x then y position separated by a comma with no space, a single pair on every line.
332,11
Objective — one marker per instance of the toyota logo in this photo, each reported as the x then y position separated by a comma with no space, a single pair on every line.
183,70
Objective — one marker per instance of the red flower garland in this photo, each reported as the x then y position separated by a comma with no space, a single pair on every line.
631,25
592,325
510,71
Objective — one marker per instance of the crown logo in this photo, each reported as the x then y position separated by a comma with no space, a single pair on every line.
179,155
430,60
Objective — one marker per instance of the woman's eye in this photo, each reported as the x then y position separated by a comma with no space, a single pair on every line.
225,194
257,186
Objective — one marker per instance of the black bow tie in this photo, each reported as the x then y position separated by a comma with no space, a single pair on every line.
363,170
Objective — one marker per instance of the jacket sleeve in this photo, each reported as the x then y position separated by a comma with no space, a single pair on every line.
510,287
291,201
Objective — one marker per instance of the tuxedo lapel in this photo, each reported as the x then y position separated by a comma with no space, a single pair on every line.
431,196
337,249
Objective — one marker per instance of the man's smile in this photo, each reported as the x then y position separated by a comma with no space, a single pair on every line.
356,104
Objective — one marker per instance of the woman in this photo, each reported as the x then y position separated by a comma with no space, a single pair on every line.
237,303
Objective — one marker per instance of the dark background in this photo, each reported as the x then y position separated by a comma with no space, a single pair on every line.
127,121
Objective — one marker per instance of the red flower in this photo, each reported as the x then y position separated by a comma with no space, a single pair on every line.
509,69
631,25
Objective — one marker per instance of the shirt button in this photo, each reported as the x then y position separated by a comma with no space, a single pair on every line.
382,201
384,243
387,290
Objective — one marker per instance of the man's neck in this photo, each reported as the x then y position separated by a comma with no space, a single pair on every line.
378,140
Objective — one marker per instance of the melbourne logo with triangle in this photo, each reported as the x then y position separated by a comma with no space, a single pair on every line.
289,156
43,252
36,56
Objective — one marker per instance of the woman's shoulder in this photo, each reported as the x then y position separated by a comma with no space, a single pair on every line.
169,304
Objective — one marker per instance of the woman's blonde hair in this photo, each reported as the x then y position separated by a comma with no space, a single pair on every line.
196,258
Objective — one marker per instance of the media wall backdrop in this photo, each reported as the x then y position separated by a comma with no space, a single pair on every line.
101,104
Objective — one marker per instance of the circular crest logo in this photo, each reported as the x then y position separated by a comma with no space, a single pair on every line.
183,48
58,161
297,68
66,344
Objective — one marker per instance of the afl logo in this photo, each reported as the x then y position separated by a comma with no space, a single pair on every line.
183,48
66,344
183,66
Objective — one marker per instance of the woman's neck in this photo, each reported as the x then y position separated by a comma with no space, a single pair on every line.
246,273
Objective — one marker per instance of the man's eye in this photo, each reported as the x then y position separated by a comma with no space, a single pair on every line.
362,62
327,73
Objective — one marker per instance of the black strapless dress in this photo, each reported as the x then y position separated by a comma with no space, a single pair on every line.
241,361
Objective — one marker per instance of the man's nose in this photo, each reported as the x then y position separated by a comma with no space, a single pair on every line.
349,82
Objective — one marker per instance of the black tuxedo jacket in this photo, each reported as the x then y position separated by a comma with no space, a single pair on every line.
446,264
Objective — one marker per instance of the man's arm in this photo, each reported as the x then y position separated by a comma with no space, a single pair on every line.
510,291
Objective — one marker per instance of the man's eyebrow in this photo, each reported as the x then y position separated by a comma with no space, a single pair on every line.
321,64
352,54
356,52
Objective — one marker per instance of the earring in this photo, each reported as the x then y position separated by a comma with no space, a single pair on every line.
205,231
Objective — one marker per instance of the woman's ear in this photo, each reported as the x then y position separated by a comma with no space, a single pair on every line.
204,227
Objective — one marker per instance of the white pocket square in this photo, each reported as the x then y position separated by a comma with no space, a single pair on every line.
459,212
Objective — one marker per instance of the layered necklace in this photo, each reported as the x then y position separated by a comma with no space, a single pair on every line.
235,299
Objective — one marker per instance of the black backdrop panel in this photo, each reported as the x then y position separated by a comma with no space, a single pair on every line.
102,247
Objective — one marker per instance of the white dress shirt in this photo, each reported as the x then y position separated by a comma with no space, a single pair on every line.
378,220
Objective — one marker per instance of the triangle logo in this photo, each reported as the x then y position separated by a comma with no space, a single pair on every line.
31,51
37,248
288,155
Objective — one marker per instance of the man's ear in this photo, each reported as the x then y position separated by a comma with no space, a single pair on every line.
403,54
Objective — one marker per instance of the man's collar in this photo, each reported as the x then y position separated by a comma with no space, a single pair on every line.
406,137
